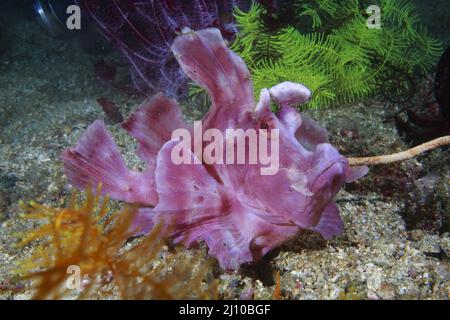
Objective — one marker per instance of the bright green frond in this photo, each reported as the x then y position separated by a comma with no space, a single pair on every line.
337,56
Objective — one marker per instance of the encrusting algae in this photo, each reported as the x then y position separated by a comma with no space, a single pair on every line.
85,251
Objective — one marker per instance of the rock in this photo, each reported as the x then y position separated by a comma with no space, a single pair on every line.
430,244
445,244
417,235
427,204
53,188
374,281
386,291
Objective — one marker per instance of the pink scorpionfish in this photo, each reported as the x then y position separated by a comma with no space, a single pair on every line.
238,212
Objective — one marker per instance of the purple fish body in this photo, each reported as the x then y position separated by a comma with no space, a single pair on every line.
240,213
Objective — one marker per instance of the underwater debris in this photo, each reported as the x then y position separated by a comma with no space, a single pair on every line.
91,240
233,208
5,201
110,109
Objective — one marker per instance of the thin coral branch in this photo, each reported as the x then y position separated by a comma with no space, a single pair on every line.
276,295
401,156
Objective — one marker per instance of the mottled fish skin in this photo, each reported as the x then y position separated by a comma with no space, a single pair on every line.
239,213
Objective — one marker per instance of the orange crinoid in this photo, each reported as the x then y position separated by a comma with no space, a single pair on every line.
85,251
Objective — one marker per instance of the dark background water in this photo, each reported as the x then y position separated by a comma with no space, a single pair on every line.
434,13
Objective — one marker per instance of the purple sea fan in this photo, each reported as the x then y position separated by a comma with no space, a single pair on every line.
143,31
239,213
